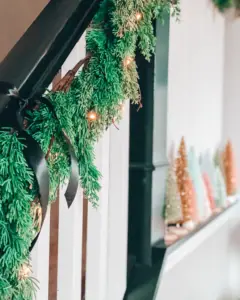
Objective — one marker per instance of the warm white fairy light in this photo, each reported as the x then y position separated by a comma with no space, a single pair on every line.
122,107
128,60
139,16
37,214
25,272
92,116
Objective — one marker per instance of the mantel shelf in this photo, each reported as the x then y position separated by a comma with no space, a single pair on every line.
194,239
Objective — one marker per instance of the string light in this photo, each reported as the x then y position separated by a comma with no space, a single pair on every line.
122,107
54,156
127,61
92,116
24,272
139,16
37,216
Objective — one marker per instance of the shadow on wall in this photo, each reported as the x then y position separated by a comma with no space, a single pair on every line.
234,265
235,239
23,13
228,296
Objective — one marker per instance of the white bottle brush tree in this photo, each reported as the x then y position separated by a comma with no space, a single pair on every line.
221,199
203,204
208,167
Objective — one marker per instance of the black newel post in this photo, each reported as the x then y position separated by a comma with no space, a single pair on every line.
141,166
148,147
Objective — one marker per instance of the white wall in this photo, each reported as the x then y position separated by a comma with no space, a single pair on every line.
195,89
231,124
204,106
196,60
231,119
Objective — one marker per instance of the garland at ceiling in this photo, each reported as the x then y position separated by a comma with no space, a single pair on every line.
223,5
62,129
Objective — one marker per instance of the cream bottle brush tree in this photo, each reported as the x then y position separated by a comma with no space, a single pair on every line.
173,204
173,208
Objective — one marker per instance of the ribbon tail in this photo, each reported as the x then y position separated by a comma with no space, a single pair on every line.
34,242
36,160
71,191
72,187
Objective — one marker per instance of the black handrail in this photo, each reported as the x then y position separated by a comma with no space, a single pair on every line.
39,54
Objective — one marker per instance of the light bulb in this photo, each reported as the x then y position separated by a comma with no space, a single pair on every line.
24,272
122,107
92,116
139,16
128,60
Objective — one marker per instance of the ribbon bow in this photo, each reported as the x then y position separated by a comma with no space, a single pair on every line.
12,108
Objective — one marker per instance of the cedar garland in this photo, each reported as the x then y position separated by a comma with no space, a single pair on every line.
223,5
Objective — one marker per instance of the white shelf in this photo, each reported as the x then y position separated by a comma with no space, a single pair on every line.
187,245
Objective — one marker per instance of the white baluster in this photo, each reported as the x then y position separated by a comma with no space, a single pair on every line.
118,209
97,239
70,247
40,259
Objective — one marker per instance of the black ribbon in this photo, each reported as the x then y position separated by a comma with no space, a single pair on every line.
36,160
72,187
12,108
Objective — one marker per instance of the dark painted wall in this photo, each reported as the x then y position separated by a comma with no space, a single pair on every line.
15,18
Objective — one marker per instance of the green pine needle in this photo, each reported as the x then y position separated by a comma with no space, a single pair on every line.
222,5
16,224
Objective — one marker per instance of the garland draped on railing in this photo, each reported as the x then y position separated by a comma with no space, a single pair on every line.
82,106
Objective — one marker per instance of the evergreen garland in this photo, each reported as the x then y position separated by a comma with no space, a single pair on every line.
93,102
109,79
222,5
16,222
